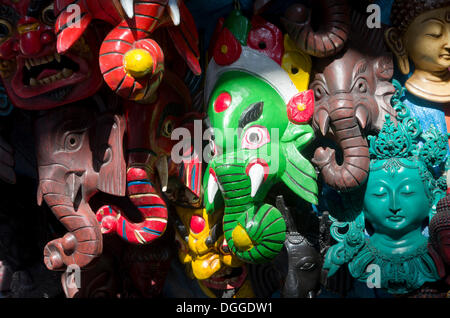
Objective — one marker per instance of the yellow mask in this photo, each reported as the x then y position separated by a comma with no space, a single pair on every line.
211,263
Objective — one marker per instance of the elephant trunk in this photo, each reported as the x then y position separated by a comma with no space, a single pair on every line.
254,232
153,209
83,243
291,286
344,124
328,39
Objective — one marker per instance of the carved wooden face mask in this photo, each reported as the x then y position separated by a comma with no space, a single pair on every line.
425,43
34,74
78,154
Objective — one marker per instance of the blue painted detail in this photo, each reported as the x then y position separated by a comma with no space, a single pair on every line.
385,6
427,113
124,234
194,170
146,229
6,106
151,206
137,182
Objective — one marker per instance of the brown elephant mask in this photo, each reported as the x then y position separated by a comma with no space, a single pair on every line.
79,153
352,93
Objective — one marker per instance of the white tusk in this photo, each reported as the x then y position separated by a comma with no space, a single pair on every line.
74,185
212,188
256,174
128,6
174,11
163,172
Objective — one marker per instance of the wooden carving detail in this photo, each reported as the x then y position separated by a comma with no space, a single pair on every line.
78,154
352,93
333,33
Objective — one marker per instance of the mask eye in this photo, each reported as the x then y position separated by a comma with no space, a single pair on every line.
361,86
48,15
167,129
307,266
73,141
319,92
255,137
5,30
197,224
407,191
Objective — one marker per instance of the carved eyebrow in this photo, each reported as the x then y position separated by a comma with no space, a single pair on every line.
252,113
433,20
8,13
360,68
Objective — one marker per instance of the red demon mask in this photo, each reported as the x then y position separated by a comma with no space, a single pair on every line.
35,76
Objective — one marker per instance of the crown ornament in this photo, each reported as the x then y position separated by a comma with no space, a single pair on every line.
393,141
405,139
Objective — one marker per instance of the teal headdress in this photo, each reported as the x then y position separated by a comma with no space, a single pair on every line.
405,139
400,143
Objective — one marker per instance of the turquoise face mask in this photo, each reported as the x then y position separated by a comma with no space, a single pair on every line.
382,242
396,203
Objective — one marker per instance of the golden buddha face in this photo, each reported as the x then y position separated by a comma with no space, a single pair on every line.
427,40
426,43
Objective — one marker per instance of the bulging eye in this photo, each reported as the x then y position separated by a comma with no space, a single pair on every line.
167,128
255,137
73,141
48,15
307,266
319,92
222,102
5,30
197,224
361,86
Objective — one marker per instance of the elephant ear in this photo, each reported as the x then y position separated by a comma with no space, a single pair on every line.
109,158
299,174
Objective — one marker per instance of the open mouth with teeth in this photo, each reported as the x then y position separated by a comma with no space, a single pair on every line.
226,279
51,75
48,69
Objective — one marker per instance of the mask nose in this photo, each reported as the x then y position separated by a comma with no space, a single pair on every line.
32,37
394,211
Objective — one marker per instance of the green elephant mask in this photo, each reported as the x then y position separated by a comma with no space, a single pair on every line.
256,145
